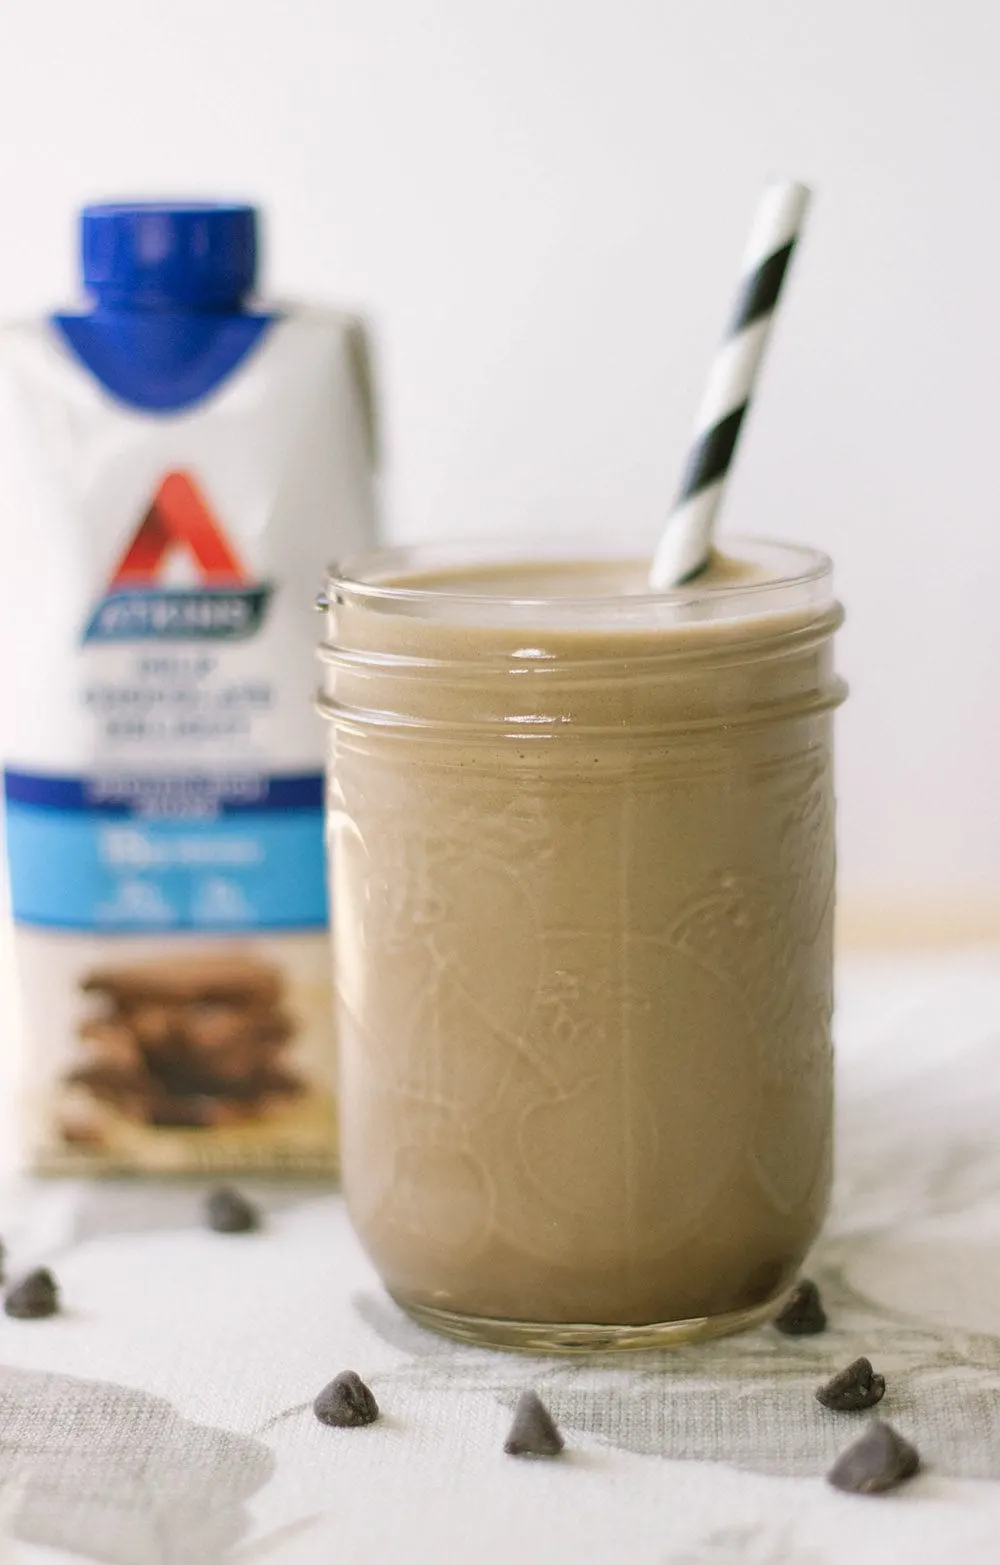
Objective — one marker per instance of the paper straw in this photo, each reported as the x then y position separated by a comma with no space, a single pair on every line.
686,544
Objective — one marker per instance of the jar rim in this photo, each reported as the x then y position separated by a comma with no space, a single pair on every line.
794,574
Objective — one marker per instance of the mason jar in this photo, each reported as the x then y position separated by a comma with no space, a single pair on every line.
582,857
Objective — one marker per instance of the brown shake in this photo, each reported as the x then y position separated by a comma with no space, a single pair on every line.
583,871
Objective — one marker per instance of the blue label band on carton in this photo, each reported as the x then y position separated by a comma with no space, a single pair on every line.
144,854
202,614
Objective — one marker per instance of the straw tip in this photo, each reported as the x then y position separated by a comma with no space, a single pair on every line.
790,193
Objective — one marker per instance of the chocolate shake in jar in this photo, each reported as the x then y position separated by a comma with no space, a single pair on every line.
582,848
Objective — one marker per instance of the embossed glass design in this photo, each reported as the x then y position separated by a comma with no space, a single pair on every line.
582,872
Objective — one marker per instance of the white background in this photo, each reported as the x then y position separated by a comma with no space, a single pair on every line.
541,204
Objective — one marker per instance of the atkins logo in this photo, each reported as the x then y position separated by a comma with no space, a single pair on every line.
179,529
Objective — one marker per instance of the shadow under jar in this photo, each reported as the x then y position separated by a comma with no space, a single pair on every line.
582,862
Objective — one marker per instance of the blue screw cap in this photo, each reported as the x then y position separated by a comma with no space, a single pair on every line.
184,255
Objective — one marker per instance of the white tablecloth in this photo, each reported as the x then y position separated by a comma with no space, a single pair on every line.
165,1417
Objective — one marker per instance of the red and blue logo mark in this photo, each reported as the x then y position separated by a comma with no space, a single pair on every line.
222,604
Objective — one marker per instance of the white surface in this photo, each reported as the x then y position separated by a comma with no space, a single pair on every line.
238,1334
544,204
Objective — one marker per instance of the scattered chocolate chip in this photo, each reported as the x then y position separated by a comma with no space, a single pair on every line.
534,1431
229,1212
346,1402
35,1296
853,1388
803,1315
880,1460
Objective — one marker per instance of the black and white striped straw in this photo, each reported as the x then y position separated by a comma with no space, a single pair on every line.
686,544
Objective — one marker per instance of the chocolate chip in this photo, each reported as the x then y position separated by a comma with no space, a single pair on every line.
35,1296
880,1460
534,1431
346,1402
803,1315
855,1387
229,1212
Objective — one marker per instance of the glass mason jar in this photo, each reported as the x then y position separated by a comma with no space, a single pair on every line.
582,860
